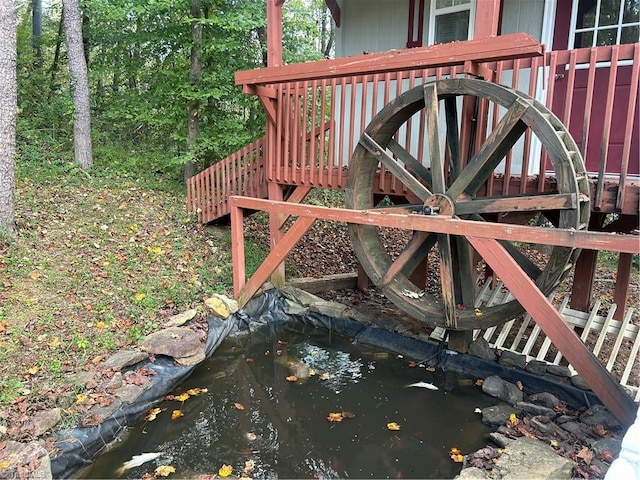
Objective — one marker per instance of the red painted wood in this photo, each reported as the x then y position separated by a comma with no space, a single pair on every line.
415,30
623,278
274,33
559,332
487,18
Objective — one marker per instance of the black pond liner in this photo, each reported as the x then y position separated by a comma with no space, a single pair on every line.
78,447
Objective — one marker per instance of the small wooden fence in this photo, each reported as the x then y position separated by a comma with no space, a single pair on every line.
616,343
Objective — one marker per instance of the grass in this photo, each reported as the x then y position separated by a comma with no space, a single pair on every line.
99,260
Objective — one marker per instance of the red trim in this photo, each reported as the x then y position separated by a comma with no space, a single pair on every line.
412,41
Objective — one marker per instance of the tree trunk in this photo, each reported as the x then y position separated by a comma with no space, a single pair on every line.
79,83
36,31
195,76
56,57
8,109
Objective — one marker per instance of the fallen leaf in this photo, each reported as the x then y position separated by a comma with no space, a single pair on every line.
251,436
599,430
152,414
165,470
182,397
519,385
479,382
239,406
457,458
35,275
249,466
324,376
225,470
478,312
139,296
585,454
334,417
32,370
291,378
176,414
196,391
513,420
455,451
348,415
607,456
393,426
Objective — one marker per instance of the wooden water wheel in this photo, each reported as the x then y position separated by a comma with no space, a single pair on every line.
442,184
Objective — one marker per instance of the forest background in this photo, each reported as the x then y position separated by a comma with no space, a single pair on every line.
99,254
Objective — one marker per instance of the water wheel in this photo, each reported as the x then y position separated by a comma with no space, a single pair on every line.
441,184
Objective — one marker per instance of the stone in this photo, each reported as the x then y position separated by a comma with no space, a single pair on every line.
537,367
565,418
44,420
533,409
499,388
230,303
559,370
192,360
578,382
511,359
471,473
181,318
107,410
16,455
610,444
598,414
543,425
299,296
498,414
129,393
529,459
545,399
500,439
217,307
572,427
124,358
294,308
174,342
113,382
328,309
480,348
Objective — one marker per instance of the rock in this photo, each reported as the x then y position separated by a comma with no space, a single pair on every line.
217,307
181,318
559,370
124,358
16,455
610,444
129,393
499,388
543,425
480,348
174,342
578,382
471,473
572,427
598,414
194,359
44,421
500,439
565,418
328,309
546,399
511,359
299,296
294,308
529,459
112,383
498,414
107,410
537,367
533,409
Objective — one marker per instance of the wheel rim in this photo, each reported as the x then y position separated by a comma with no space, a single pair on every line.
448,187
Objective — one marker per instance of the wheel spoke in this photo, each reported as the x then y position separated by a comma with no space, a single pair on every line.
433,136
499,142
411,182
412,163
466,272
447,279
411,256
453,135
517,203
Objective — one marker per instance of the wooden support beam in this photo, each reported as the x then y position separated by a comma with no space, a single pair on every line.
274,33
559,332
623,278
506,47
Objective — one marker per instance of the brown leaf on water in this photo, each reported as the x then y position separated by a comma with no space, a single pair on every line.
239,406
348,415
176,414
291,378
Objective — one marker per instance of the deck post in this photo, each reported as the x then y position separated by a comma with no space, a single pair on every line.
276,234
623,278
274,33
557,329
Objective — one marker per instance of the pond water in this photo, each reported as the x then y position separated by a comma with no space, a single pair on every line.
250,411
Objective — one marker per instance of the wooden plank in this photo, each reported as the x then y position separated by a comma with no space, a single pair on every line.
338,281
623,279
516,203
451,225
549,319
504,47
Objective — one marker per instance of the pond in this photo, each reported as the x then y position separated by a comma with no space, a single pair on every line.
332,422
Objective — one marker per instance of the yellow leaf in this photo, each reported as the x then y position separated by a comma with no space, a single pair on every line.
455,451
101,325
478,312
155,250
176,414
55,343
324,376
165,470
553,443
182,397
225,470
479,382
81,397
334,417
457,458
430,369
312,372
239,406
393,426
35,275
152,414
5,464
32,371
513,420
196,391
139,296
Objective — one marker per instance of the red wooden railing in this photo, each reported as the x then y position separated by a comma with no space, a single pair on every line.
316,122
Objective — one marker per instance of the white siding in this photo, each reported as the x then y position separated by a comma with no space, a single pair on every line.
371,26
523,16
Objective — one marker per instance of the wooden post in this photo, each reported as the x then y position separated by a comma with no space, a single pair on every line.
274,33
487,21
623,277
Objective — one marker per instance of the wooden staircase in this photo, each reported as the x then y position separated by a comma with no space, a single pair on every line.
241,173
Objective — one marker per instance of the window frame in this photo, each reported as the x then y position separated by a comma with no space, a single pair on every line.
596,28
434,12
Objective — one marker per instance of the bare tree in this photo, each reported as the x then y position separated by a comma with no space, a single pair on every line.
8,109
36,31
79,83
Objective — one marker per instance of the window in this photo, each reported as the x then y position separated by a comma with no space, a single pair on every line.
597,23
450,20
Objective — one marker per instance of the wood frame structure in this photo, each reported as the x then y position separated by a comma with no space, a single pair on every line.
298,153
